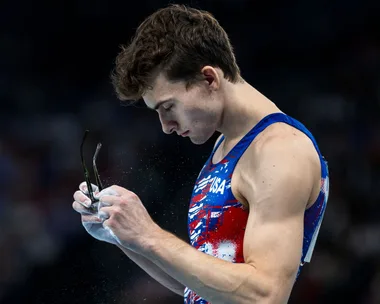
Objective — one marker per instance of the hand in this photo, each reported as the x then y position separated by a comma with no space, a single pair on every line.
92,220
126,217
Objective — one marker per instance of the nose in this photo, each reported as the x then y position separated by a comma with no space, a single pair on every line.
168,126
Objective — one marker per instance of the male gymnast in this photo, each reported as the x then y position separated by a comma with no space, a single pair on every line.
259,200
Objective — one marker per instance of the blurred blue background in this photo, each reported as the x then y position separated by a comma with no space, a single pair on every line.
318,60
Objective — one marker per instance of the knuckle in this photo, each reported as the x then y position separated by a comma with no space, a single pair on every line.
123,200
83,187
117,188
78,195
75,195
114,187
117,210
132,195
110,222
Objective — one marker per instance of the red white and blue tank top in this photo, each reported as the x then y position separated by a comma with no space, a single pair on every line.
217,220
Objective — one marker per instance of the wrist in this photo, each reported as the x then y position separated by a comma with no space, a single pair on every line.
153,240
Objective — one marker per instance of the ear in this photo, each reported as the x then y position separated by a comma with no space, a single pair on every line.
211,76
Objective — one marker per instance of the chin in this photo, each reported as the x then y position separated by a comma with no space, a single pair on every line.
199,140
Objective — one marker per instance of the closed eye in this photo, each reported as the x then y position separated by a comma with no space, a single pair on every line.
167,109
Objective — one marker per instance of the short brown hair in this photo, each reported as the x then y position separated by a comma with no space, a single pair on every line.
177,40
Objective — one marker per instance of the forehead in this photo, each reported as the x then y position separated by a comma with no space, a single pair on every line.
162,89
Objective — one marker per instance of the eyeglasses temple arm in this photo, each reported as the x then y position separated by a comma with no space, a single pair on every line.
96,173
86,174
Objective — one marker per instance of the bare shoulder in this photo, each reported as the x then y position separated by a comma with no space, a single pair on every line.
279,152
282,141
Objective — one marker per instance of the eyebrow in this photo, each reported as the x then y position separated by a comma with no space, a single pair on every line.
160,103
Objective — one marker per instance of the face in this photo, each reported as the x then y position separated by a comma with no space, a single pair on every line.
193,112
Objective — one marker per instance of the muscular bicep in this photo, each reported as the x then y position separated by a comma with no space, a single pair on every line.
277,189
274,248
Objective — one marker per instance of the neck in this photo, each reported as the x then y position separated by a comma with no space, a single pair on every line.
244,107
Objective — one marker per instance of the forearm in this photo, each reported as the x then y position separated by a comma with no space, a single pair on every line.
214,279
155,272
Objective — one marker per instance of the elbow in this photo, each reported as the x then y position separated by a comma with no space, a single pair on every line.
269,291
274,296
261,294
267,296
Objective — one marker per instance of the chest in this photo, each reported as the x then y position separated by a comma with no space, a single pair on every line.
217,220
222,155
214,211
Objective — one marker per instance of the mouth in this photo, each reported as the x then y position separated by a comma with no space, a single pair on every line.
185,133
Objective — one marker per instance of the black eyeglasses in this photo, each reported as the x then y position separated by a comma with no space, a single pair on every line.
87,174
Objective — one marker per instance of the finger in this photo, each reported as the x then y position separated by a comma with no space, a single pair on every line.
83,188
105,212
107,227
82,199
103,215
119,190
81,209
108,200
91,219
107,191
